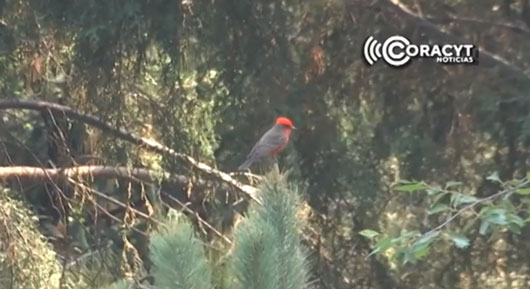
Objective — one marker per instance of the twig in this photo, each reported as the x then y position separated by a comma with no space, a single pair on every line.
509,26
472,205
114,201
86,255
201,220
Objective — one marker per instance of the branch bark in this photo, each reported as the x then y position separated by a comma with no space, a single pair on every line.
61,174
130,137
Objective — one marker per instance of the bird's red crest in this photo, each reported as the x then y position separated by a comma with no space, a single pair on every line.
284,121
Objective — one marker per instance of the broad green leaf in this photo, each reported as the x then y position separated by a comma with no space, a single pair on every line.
437,209
370,234
494,177
383,244
525,191
411,187
459,240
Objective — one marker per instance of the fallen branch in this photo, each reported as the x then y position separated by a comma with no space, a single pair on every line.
130,137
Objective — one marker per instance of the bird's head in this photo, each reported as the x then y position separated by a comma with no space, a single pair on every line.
284,121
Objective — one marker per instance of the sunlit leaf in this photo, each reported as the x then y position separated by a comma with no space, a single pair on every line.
459,240
370,234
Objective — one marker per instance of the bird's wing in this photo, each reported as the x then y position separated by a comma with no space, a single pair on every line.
270,141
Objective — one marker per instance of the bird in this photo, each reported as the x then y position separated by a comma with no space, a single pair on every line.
271,143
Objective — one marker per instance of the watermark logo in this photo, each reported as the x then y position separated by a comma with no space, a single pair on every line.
398,51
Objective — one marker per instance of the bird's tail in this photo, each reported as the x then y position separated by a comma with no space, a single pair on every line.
246,165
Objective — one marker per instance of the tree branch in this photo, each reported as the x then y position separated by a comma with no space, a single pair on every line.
130,137
396,7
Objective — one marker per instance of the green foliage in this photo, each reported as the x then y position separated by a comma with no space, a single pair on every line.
26,259
179,260
500,211
256,256
268,251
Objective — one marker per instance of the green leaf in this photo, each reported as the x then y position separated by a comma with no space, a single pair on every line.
451,184
427,238
439,197
528,176
459,240
524,192
459,199
514,183
383,244
516,220
497,216
370,234
484,227
421,251
494,177
433,190
466,199
437,209
411,187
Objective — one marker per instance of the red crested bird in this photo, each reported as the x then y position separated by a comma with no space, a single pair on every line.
271,143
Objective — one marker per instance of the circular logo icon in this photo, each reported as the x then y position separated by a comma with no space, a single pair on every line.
394,50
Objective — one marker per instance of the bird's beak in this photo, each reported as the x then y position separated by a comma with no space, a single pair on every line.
293,127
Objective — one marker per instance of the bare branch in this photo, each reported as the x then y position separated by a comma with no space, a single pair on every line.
125,135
